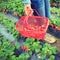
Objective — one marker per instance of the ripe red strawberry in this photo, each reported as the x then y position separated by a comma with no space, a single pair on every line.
12,43
25,48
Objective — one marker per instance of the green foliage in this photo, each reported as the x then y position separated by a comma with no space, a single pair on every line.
33,45
24,56
30,40
36,46
1,37
9,25
6,50
41,51
56,1
58,22
47,50
42,55
52,57
55,20
13,5
55,10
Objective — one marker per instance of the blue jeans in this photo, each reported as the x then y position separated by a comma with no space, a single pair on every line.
42,7
47,8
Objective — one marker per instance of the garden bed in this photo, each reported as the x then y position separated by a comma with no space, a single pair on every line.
27,51
54,27
12,6
15,47
30,53
9,25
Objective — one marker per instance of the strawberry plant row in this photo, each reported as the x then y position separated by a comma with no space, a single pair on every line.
12,5
7,50
11,17
33,46
9,26
55,11
30,47
1,37
55,22
5,34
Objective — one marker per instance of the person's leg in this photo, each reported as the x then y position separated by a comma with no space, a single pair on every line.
39,6
49,38
47,8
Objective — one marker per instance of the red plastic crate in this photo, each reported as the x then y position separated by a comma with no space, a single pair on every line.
32,26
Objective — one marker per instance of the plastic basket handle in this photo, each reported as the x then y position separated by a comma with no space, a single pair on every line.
30,12
36,12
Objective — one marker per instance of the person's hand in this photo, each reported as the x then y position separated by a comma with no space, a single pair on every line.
28,10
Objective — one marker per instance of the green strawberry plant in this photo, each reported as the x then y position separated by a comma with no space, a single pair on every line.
1,37
30,46
55,10
52,57
41,51
24,56
47,50
55,20
13,5
36,46
9,25
56,1
58,22
6,50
